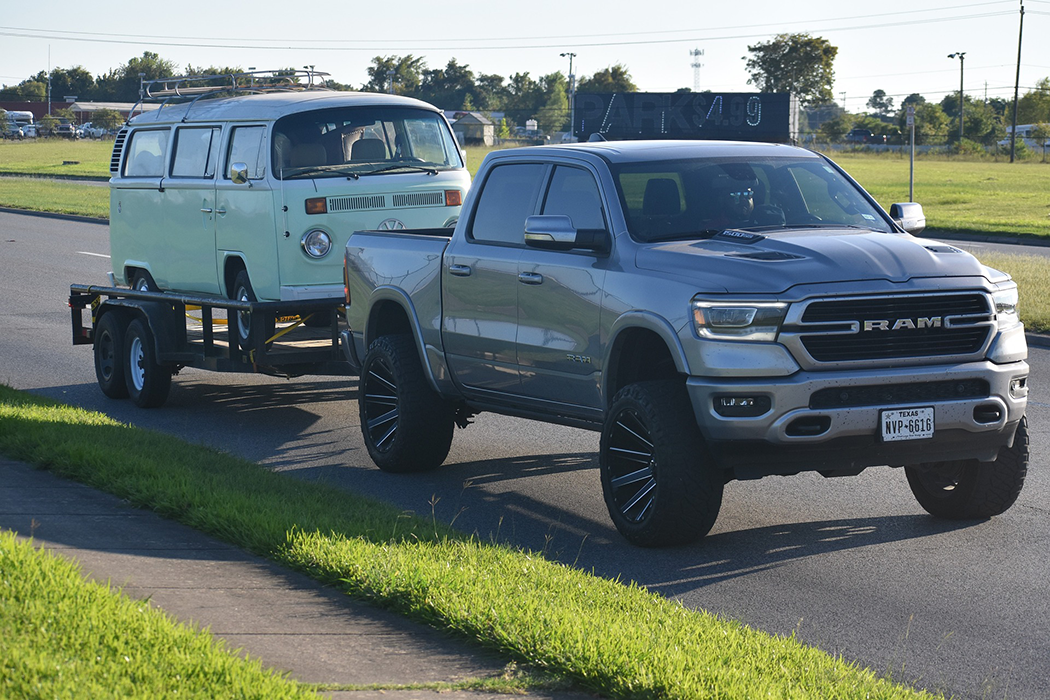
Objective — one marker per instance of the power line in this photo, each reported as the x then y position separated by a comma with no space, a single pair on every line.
388,45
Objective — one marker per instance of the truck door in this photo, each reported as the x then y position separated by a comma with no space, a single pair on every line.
480,281
186,216
559,302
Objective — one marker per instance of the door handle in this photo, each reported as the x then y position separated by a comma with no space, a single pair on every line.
530,278
459,270
207,210
221,212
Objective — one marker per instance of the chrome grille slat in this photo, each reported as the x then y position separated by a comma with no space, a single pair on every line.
958,324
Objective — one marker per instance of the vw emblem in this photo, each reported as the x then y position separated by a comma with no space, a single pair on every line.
390,225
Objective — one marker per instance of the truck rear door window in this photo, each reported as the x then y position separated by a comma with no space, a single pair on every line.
246,147
508,197
195,152
146,153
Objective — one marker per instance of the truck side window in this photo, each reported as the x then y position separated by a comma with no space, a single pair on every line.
246,147
574,193
195,152
508,197
146,153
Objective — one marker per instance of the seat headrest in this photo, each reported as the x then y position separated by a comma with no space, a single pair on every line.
368,149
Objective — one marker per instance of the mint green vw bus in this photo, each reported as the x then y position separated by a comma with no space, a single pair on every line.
252,196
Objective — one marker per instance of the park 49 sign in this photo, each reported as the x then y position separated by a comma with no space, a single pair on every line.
687,115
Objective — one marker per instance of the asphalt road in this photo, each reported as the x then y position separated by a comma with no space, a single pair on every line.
851,565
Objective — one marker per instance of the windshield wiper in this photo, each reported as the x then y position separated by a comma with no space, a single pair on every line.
326,170
402,166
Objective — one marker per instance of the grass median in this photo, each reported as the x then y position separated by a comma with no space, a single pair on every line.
608,637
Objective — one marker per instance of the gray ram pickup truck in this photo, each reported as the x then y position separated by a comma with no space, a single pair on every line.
716,310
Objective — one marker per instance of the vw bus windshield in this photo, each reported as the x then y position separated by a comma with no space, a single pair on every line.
355,141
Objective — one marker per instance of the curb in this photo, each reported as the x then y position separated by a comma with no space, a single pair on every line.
55,215
1038,340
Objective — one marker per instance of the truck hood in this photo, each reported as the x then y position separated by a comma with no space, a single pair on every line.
741,262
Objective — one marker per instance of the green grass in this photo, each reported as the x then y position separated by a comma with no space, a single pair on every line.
65,637
960,196
1032,274
54,196
53,158
612,638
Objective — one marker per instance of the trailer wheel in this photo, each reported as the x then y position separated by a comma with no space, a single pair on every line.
242,291
968,489
660,485
406,426
109,355
148,382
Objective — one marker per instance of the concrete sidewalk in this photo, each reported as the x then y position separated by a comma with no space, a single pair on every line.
285,619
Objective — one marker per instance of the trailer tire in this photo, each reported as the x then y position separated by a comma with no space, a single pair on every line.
972,490
406,426
661,485
108,348
148,382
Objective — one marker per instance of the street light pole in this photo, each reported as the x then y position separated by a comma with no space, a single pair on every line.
572,92
961,55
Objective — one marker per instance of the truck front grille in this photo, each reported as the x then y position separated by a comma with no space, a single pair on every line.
891,394
895,327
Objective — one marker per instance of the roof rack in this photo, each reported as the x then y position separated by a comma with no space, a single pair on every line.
179,89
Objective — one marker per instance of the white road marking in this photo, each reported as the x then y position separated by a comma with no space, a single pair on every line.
97,255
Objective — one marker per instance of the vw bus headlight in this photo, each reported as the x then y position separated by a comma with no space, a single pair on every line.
316,243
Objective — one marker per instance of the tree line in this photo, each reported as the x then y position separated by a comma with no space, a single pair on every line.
798,63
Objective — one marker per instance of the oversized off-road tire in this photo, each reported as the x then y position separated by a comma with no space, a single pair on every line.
971,490
109,354
148,382
660,484
242,325
406,426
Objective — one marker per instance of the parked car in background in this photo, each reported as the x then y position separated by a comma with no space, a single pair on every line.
13,131
864,136
89,131
29,131
66,130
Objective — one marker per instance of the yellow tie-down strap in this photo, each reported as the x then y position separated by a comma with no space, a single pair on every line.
300,321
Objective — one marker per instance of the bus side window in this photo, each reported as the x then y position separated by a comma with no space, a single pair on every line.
146,153
246,147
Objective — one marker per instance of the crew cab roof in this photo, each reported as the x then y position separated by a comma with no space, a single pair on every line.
269,106
645,151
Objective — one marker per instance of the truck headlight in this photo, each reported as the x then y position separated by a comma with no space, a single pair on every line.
1005,300
316,243
738,321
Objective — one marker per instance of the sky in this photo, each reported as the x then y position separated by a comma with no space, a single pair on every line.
899,46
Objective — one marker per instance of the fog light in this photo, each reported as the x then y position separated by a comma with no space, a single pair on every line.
1019,387
742,406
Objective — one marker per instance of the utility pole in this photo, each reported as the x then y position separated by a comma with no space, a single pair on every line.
961,55
696,65
572,93
1017,84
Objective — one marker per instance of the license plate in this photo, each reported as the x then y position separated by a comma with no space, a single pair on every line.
906,424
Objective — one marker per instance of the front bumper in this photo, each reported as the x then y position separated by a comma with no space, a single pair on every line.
800,431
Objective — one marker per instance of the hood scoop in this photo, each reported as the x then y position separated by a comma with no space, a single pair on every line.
768,255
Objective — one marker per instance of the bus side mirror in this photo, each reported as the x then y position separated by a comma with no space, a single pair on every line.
239,173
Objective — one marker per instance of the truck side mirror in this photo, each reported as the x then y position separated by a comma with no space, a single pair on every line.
556,232
239,173
909,216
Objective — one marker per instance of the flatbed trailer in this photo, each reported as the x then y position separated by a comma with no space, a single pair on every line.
141,339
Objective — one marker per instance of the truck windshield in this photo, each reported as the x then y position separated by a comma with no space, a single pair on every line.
695,198
354,141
